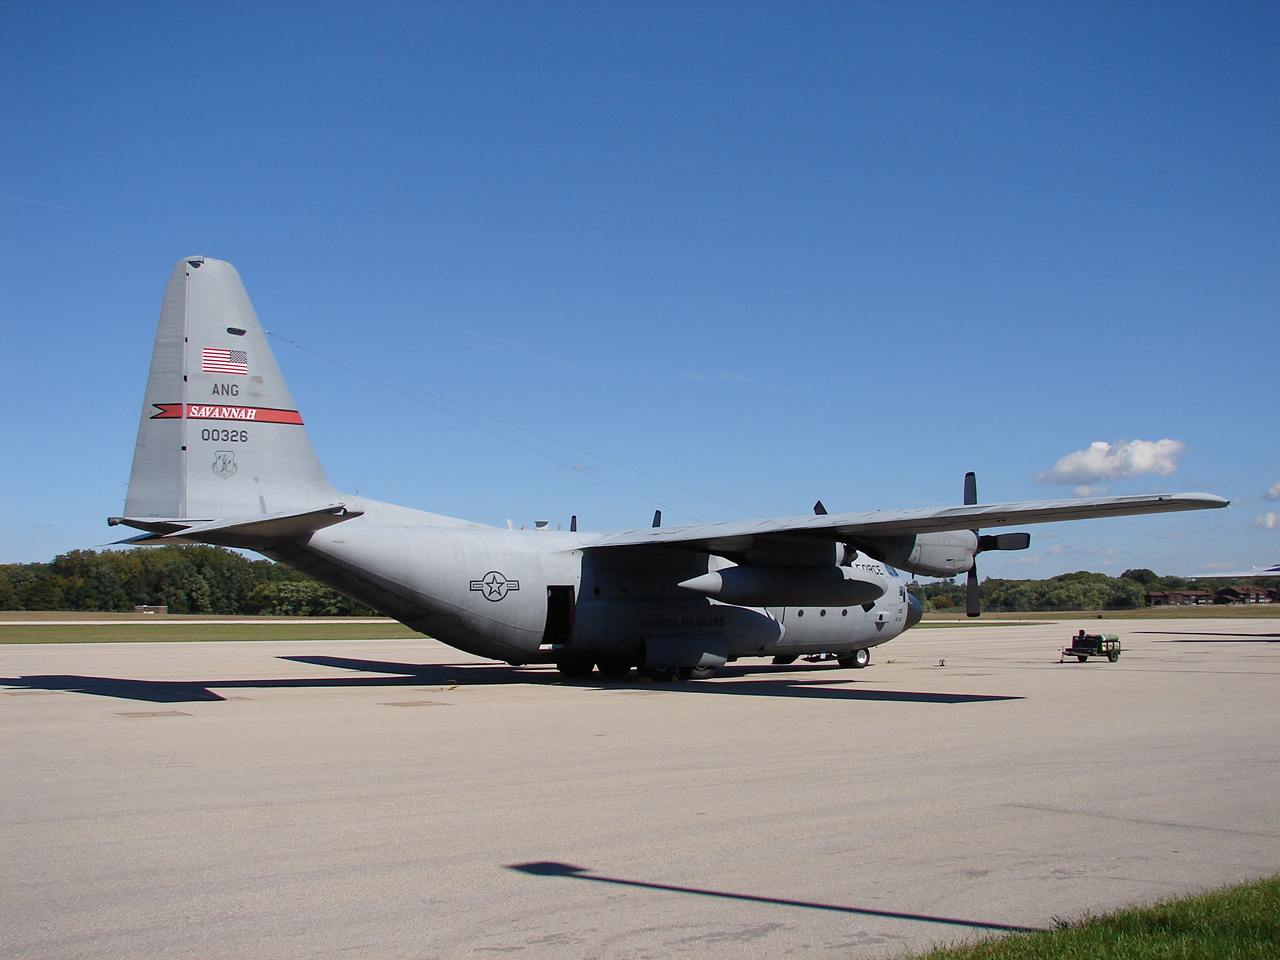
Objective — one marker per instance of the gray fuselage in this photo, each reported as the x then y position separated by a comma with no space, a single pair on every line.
540,596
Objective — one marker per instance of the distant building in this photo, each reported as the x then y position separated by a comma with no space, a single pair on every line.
1178,598
150,609
1245,595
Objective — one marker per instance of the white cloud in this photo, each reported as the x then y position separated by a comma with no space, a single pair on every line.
1111,461
1273,492
1268,521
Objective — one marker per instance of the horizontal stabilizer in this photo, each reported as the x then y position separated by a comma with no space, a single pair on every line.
249,532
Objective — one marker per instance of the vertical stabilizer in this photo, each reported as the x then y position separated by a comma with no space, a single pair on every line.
220,436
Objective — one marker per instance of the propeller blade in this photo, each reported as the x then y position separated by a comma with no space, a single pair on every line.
972,591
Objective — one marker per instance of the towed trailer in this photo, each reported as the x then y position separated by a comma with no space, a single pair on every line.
1086,645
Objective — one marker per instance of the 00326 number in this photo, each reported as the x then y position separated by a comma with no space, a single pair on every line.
225,436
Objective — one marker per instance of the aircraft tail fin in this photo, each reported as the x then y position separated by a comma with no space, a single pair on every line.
220,436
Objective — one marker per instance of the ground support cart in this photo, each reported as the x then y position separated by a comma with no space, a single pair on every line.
1086,645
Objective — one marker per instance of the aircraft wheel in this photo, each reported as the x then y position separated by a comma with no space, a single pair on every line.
1082,659
783,661
858,659
614,668
574,669
696,673
658,673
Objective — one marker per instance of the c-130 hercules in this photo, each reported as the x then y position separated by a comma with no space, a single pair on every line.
223,458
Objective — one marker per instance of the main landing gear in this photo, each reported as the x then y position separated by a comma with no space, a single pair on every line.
696,673
575,669
614,668
857,659
619,669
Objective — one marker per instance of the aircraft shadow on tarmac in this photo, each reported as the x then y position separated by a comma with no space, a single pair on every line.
416,674
550,868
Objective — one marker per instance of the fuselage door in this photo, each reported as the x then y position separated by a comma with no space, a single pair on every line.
559,628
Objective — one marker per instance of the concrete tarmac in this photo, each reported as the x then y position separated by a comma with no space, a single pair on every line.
389,799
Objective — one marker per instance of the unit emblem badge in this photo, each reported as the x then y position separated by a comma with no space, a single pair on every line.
224,464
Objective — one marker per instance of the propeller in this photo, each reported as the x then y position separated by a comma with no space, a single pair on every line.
972,591
1001,541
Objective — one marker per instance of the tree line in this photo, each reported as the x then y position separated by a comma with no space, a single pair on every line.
1081,590
200,579
186,579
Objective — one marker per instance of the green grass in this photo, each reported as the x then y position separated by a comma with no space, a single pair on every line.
1236,923
169,632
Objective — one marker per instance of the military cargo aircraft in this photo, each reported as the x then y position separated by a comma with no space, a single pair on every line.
223,458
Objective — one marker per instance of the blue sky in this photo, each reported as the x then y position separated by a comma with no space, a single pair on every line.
767,252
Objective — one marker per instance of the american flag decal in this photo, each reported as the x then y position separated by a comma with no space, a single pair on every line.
214,360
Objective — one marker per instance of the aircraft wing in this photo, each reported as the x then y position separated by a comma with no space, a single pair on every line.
1271,571
738,536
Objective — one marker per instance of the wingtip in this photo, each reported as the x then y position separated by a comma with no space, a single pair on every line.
1208,499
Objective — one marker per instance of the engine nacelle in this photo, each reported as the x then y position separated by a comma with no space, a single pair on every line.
930,554
778,586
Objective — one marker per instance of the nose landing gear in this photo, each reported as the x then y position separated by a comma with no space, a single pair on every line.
856,659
